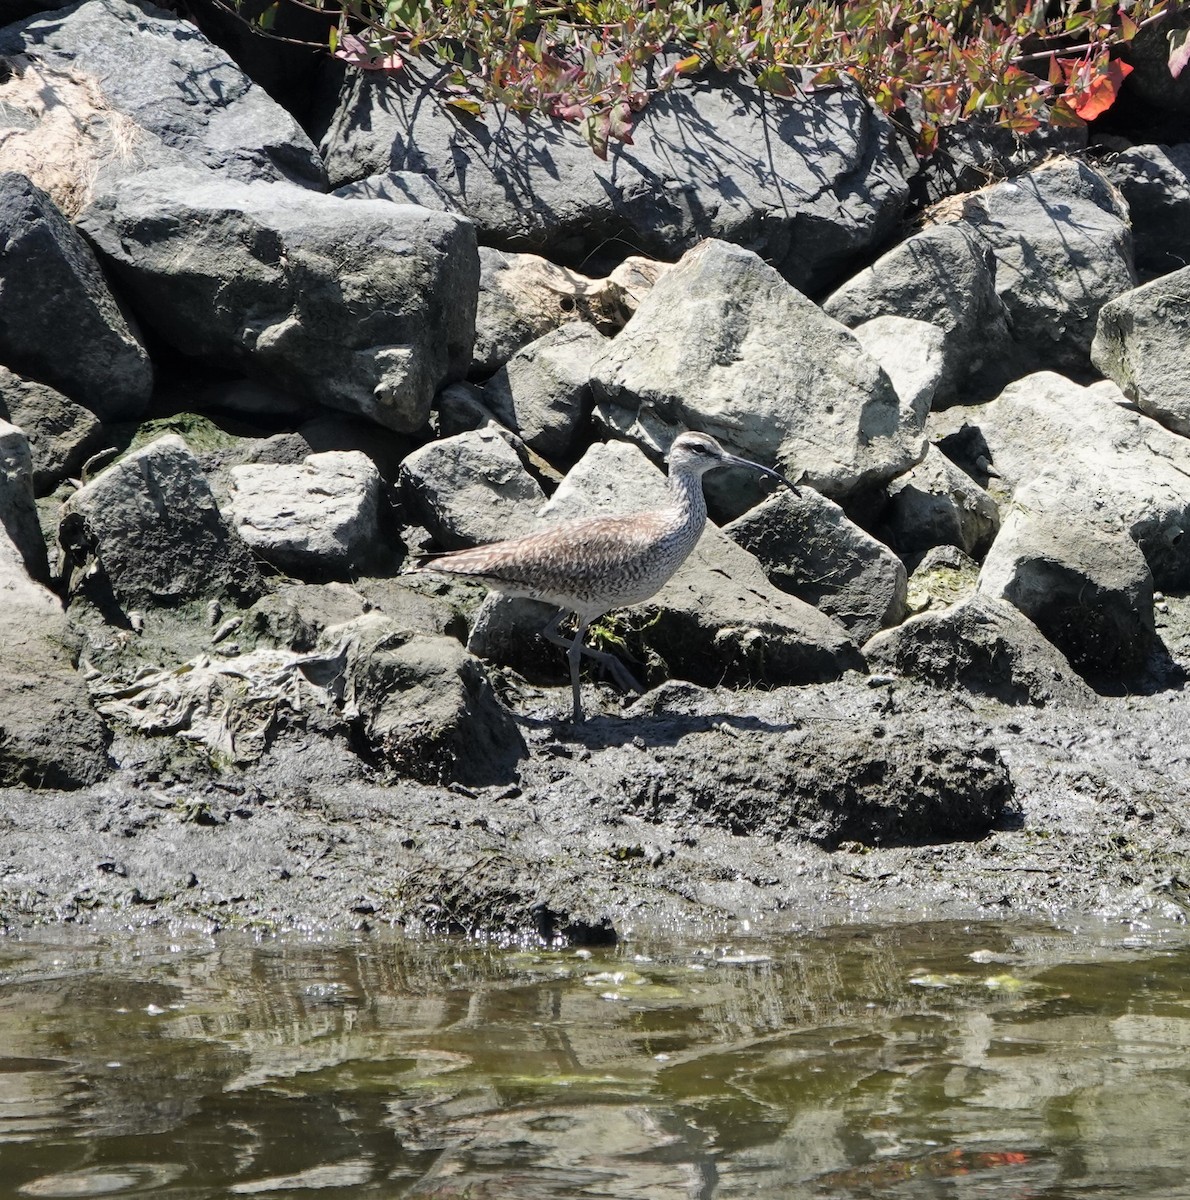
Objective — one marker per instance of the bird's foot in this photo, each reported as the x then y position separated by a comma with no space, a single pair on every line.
621,676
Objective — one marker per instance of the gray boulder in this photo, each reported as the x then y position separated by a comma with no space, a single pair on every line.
18,512
913,355
296,616
62,434
1142,343
809,548
50,283
869,770
1114,463
945,276
830,186
426,709
163,76
328,432
363,305
50,737
937,504
1082,581
320,516
459,408
944,576
1166,96
986,646
469,489
1063,249
717,620
543,393
973,152
522,297
1155,184
401,187
151,525
724,345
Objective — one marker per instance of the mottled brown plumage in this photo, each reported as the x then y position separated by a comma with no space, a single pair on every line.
595,564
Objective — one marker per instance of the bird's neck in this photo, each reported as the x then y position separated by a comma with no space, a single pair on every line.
689,504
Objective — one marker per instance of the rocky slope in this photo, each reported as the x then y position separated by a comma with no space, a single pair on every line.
305,346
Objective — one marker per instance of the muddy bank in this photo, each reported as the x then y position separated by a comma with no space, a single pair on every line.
1093,821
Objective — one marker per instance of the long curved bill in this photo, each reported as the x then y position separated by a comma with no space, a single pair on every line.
732,460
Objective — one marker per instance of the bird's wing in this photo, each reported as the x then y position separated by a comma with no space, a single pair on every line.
582,547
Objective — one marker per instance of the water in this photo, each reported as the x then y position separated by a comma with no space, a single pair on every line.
928,1061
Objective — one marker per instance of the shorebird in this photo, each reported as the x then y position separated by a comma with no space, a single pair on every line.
592,565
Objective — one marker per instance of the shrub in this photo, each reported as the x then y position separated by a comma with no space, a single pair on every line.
1022,63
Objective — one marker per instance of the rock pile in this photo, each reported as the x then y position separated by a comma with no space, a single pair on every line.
192,284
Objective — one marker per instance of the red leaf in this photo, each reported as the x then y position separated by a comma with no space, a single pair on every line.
1101,93
358,53
620,123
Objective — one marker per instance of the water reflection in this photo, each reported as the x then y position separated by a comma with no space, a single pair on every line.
921,1061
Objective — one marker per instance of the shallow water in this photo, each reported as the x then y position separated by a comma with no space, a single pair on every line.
910,1061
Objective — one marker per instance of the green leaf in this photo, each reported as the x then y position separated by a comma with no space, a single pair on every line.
266,19
466,104
773,79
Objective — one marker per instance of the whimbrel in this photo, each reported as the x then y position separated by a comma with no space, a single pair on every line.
595,564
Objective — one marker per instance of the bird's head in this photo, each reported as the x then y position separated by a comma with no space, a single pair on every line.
698,453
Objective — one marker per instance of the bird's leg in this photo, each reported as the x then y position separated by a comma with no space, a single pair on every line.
623,678
573,653
575,647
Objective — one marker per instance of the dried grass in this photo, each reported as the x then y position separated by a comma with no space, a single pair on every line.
56,128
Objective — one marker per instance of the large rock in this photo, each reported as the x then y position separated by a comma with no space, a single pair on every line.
913,355
51,286
1063,248
809,548
18,512
61,434
724,345
426,708
717,620
152,525
164,78
363,305
1082,581
943,275
975,151
937,504
50,737
1143,345
470,488
1155,183
319,516
543,393
944,576
1112,462
830,187
522,297
984,645
1165,96
875,773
